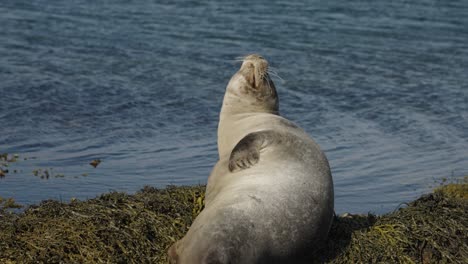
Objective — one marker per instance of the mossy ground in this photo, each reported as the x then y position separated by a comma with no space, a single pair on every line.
121,228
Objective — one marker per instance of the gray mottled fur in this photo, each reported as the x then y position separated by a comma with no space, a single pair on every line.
269,198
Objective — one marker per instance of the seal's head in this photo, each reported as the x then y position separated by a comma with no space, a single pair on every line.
251,89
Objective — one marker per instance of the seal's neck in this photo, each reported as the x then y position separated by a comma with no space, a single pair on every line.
235,105
235,123
232,112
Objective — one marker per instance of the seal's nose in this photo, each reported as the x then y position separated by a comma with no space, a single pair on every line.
256,68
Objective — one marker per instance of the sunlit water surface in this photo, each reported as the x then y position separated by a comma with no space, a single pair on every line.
380,85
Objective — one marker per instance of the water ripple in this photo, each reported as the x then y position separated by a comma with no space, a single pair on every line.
380,85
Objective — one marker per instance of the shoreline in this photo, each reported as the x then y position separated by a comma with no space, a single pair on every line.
118,227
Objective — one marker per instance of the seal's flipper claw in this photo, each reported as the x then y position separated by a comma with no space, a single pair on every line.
247,151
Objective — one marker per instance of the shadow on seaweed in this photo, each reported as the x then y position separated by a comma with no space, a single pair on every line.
340,236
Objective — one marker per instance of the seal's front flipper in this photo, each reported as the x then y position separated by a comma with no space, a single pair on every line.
247,151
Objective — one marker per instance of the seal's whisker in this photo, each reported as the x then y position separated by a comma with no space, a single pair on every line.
240,58
270,91
273,73
234,61
271,70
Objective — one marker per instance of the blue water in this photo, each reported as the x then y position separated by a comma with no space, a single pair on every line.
381,85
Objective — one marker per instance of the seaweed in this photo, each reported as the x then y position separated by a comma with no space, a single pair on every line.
432,229
121,228
115,227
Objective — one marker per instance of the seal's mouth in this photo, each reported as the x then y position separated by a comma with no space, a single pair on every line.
255,69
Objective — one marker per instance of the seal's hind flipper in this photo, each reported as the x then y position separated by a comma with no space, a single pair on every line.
247,151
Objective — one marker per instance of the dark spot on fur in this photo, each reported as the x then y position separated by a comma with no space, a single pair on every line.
255,198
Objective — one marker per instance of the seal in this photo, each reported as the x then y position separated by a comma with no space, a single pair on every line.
269,198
